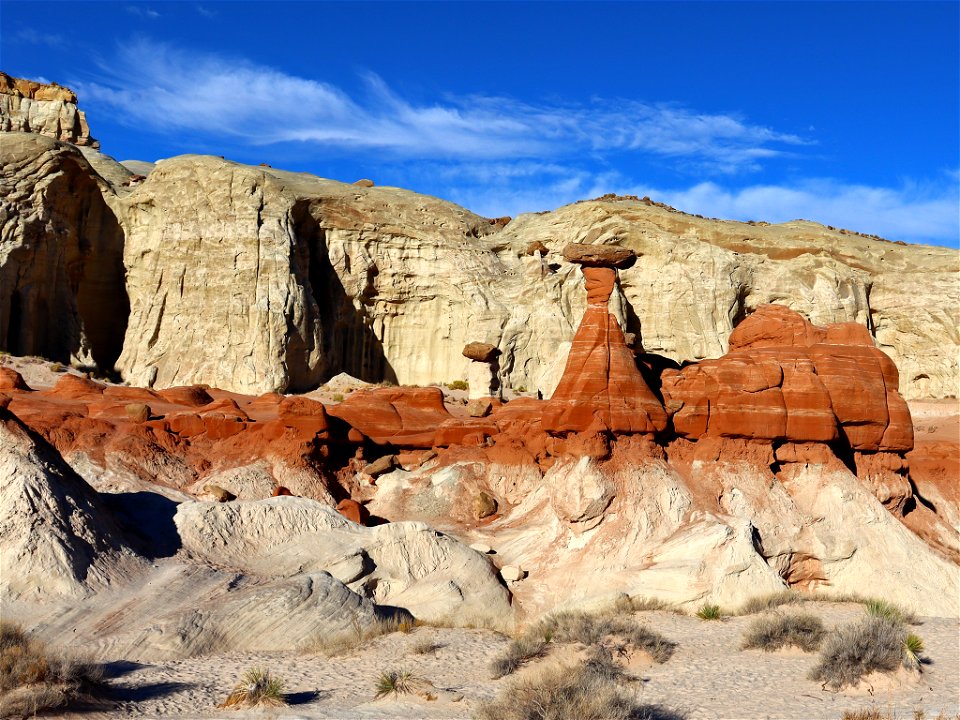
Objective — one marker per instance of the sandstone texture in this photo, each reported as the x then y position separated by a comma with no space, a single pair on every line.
253,279
50,110
406,565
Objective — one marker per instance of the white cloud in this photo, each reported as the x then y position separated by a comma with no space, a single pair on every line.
911,212
174,90
30,36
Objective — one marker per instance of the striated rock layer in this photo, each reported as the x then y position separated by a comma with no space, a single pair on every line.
51,110
254,280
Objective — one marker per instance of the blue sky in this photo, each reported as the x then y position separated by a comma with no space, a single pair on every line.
844,113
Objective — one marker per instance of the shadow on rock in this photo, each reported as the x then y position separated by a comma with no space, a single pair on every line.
147,520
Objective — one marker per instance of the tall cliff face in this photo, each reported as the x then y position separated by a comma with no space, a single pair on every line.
255,279
50,110
62,292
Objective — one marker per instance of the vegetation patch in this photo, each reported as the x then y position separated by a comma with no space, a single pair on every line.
874,644
35,678
586,692
610,630
772,632
257,688
709,611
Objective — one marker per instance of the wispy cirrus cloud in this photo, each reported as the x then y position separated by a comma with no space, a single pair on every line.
173,89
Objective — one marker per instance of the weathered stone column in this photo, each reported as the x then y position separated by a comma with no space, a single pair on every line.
601,385
483,375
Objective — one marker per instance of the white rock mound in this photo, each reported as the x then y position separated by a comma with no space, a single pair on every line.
56,536
407,565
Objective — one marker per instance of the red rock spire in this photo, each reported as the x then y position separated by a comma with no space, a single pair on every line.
601,385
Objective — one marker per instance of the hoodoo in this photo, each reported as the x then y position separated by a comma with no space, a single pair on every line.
601,388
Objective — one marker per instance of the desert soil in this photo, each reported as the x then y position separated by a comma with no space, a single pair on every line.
709,676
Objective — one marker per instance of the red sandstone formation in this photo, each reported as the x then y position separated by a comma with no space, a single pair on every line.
403,417
481,352
785,379
10,379
601,388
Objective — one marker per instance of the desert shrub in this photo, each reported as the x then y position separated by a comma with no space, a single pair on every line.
884,609
33,677
458,385
772,632
912,651
564,692
257,688
709,611
870,645
338,397
395,682
579,627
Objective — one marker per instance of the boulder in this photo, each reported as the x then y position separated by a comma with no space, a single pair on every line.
137,412
481,352
484,505
402,417
406,564
599,256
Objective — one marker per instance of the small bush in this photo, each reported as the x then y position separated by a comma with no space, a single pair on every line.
709,612
338,397
395,682
257,688
33,678
773,632
563,692
578,627
458,385
871,645
627,604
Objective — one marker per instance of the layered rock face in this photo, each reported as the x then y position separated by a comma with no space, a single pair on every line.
255,280
601,388
62,293
50,110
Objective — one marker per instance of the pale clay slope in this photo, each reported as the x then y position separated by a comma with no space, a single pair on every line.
652,542
255,279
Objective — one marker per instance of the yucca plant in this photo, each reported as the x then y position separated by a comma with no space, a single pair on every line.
395,682
912,651
708,611
258,688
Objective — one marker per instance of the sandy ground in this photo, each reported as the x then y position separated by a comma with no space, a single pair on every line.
709,676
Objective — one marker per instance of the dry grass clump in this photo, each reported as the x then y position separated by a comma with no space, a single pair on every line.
425,647
627,603
762,603
772,632
884,609
33,678
874,644
577,627
562,692
258,688
360,634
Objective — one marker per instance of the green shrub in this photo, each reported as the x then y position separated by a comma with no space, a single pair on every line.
773,632
338,397
395,682
458,385
709,611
